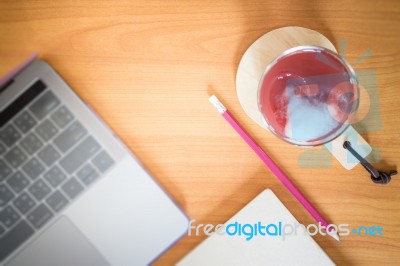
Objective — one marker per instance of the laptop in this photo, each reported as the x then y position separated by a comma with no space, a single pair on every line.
243,248
71,193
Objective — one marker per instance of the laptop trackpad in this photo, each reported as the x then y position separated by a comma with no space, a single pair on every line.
61,244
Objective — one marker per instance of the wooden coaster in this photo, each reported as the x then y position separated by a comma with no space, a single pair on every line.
261,53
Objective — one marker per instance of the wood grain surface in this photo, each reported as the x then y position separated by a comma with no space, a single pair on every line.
148,67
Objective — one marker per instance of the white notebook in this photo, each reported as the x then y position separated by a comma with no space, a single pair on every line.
266,208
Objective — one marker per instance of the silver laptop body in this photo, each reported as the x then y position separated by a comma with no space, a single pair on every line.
70,192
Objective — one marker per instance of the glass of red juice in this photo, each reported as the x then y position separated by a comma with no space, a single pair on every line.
308,95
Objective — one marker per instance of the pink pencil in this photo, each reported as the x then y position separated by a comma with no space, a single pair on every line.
271,164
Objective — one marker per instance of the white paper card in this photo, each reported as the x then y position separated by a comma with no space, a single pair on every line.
358,143
295,249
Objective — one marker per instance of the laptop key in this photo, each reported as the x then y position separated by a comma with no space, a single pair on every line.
39,189
2,148
103,161
57,201
14,238
33,168
5,195
73,134
39,216
62,116
31,143
49,155
72,188
46,130
25,122
8,216
4,170
18,181
24,203
87,174
79,155
9,135
44,105
15,157
55,176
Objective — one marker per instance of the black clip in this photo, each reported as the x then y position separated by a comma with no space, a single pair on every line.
377,177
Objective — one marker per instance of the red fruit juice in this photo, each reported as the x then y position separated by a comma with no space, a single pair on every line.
307,95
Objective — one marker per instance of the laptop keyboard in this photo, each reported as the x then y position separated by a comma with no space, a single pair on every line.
47,159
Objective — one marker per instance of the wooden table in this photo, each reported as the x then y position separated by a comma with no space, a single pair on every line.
148,67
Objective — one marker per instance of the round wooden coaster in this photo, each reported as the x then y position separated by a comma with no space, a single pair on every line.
261,53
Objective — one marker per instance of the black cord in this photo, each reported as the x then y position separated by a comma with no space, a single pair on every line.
377,177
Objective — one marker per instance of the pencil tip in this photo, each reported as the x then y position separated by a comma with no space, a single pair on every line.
335,236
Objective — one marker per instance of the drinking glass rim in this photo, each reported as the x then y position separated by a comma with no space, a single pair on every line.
353,80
